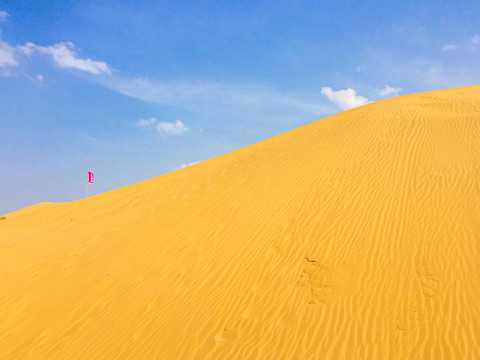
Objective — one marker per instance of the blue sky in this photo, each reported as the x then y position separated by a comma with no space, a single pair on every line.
134,89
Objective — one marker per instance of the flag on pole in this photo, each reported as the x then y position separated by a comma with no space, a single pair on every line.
90,177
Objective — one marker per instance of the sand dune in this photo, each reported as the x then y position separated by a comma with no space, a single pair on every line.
354,237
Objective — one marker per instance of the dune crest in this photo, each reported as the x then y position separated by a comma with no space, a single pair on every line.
354,237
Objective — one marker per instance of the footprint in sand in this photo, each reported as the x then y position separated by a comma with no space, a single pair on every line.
315,279
226,335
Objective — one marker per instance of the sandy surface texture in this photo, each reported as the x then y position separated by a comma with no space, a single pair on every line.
354,237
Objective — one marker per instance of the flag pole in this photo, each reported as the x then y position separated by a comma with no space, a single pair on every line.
86,189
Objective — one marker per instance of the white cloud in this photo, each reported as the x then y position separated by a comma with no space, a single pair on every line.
475,39
6,55
449,47
388,90
176,127
172,128
186,165
39,78
344,99
64,55
27,49
3,15
146,122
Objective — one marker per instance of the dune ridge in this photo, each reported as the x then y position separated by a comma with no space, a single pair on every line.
354,237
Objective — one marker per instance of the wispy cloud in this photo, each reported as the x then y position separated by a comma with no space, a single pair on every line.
3,15
470,43
209,97
65,56
344,99
173,128
449,47
146,122
37,79
389,90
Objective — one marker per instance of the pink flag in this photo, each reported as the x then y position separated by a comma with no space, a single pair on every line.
90,177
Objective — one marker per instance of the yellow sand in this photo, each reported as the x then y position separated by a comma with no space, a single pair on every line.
354,237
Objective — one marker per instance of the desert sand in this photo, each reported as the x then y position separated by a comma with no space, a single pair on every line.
354,237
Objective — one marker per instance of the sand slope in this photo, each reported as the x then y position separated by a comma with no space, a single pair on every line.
354,237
